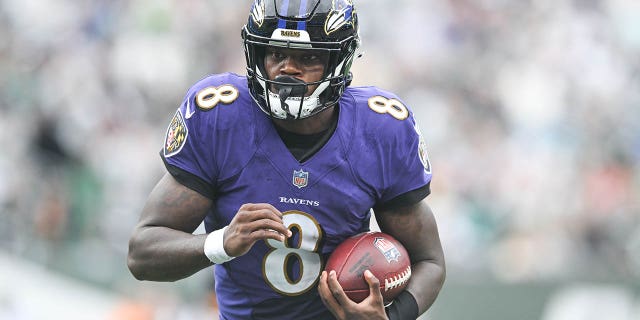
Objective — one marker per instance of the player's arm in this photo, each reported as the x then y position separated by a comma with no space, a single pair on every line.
162,246
415,227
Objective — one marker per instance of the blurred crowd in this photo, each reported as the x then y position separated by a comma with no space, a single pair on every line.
531,111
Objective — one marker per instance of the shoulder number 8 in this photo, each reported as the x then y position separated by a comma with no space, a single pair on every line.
209,97
393,107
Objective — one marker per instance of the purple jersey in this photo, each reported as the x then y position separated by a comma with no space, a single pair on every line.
221,138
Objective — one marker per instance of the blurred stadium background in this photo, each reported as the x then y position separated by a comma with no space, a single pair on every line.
531,111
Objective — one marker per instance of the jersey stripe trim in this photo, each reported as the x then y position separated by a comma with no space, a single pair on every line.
405,199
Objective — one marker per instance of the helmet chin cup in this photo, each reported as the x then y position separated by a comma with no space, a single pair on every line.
293,85
288,86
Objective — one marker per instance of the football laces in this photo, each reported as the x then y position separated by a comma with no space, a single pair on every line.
396,281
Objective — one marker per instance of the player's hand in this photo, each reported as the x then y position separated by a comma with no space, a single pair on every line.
253,222
343,308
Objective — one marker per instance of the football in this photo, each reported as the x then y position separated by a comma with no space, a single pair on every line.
377,252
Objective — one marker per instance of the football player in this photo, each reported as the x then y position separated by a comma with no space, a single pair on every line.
282,165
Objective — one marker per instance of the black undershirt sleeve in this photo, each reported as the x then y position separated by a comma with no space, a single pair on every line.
405,199
190,180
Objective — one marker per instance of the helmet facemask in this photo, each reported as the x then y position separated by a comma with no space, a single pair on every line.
284,97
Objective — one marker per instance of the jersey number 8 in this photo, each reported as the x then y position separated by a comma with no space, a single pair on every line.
305,250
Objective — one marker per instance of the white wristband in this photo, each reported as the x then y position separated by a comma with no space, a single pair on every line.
214,247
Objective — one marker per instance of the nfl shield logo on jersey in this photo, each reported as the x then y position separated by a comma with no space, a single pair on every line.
300,178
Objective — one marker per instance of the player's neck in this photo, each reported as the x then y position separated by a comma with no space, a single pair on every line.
314,124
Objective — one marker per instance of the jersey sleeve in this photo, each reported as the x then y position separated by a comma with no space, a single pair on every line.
406,169
187,153
398,167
